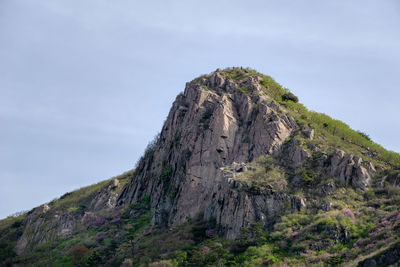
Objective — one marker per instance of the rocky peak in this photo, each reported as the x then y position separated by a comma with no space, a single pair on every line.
215,122
226,117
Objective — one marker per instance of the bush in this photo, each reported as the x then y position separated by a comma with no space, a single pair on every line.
6,251
17,224
166,172
206,118
149,151
366,136
335,260
290,97
305,178
80,253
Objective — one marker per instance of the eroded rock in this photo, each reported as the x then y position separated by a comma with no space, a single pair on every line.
216,130
350,170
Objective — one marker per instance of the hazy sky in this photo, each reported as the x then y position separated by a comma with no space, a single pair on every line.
86,84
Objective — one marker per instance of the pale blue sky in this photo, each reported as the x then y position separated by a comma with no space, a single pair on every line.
86,84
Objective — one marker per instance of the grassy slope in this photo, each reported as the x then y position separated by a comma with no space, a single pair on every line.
72,203
334,132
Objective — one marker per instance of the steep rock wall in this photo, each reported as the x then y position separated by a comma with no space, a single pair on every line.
211,125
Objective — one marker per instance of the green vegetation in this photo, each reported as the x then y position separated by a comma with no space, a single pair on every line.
264,172
290,97
206,118
271,87
339,135
11,230
77,199
84,245
106,237
166,172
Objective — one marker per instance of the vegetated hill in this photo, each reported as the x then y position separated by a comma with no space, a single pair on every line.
240,175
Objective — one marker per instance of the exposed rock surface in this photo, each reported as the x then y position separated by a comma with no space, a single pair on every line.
206,130
45,224
389,257
40,230
309,133
106,196
350,170
295,156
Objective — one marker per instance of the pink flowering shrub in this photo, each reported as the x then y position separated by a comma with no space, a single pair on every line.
295,233
348,212
210,232
117,219
90,219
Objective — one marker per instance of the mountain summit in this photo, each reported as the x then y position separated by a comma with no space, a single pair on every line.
240,174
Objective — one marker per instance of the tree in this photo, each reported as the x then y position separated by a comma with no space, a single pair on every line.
290,96
80,253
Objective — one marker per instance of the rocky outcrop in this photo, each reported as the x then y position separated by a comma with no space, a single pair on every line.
46,224
350,169
295,156
106,197
389,257
236,206
44,227
309,133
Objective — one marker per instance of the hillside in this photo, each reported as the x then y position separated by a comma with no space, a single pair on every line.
241,174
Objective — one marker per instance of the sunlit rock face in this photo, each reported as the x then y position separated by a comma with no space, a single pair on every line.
211,125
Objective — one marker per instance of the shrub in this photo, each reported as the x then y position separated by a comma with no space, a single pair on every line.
366,136
79,253
335,260
6,250
150,149
94,259
199,232
205,119
270,259
290,97
305,178
17,224
166,172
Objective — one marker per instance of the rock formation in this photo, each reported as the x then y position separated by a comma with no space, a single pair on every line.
216,122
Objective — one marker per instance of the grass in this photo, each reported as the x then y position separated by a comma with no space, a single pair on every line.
72,200
263,172
340,135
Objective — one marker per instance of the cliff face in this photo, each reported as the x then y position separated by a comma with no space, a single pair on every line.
215,123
